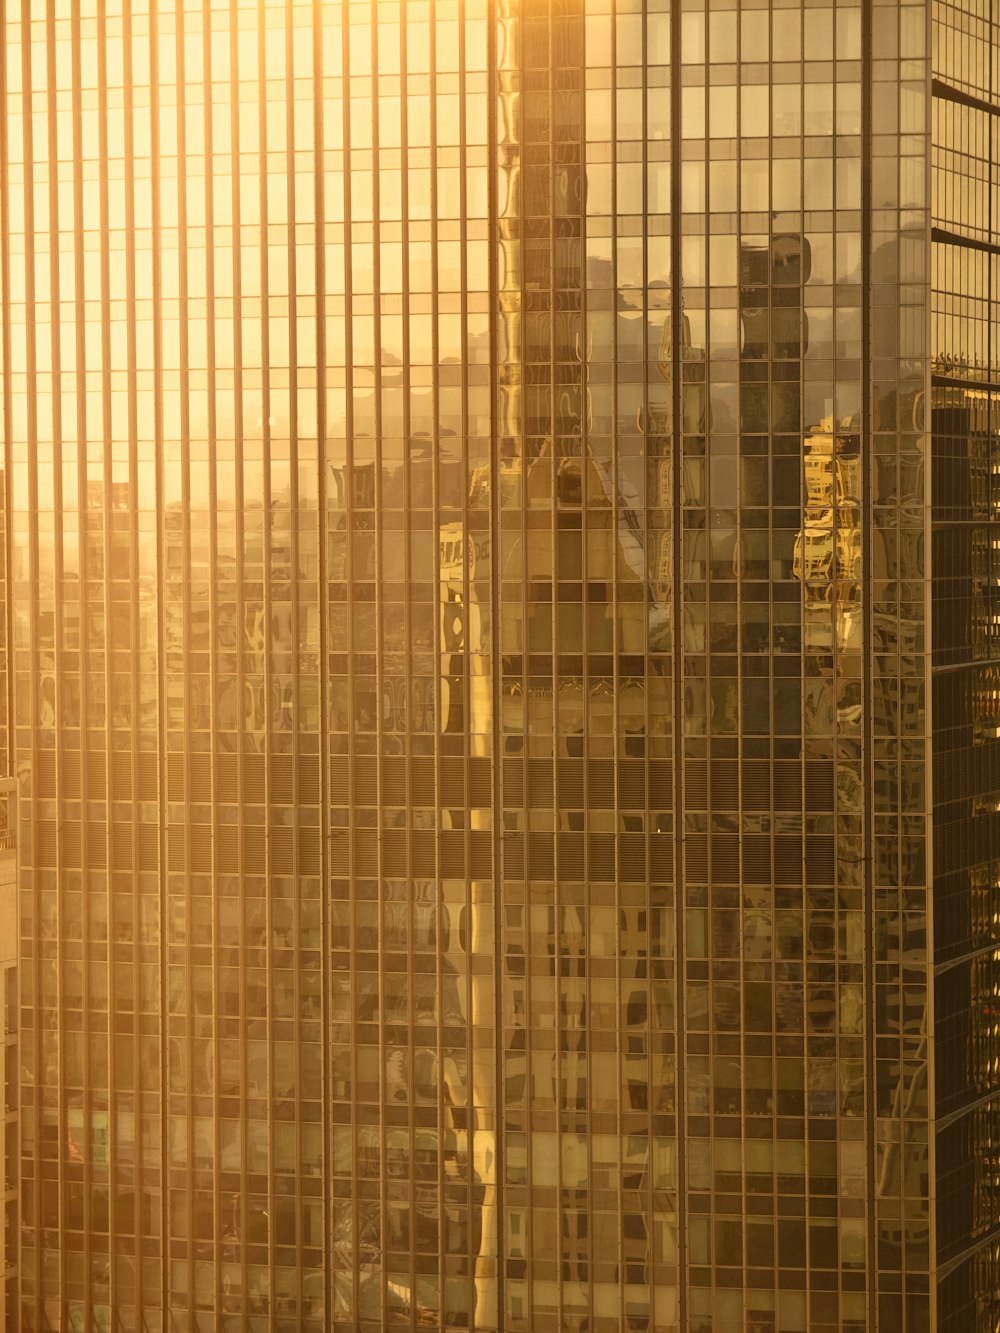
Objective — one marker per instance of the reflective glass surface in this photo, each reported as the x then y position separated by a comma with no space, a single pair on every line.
965,497
501,502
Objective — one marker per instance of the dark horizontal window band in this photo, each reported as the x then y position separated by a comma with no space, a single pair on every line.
945,237
949,93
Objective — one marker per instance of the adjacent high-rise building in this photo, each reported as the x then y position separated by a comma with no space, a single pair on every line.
505,538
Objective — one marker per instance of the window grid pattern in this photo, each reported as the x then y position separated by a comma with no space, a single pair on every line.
410,638
965,510
584,498
395,952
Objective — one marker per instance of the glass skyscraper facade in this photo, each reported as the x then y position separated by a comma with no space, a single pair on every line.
503,581
963,634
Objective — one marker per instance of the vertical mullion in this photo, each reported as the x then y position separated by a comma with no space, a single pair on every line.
378,614
58,544
211,500
9,743
326,1017
468,538
185,533
34,611
293,646
496,793
28,264
866,444
8,751
266,556
349,506
93,1093
135,610
677,536
239,536
161,715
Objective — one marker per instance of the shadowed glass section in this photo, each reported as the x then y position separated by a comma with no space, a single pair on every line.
965,491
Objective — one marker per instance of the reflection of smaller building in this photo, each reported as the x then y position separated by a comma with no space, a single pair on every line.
694,400
986,703
412,1144
464,559
9,1146
985,587
827,554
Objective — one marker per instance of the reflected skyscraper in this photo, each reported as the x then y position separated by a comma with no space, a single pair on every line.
504,648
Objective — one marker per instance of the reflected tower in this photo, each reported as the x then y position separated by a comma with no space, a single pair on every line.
585,730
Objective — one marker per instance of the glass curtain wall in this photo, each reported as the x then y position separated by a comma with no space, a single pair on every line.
247,365
803,799
965,370
410,643
469,539
584,501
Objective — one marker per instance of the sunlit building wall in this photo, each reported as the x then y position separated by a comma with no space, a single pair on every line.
472,650
252,558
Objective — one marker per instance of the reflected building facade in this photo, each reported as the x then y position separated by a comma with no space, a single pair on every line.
505,673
